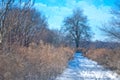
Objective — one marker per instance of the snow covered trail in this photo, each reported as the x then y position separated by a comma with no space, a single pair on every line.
82,68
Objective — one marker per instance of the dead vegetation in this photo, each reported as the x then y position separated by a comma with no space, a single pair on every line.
37,62
110,58
22,54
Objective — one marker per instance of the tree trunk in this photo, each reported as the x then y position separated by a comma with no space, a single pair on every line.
77,43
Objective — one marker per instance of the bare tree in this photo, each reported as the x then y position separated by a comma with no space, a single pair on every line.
5,9
5,6
77,27
112,29
26,27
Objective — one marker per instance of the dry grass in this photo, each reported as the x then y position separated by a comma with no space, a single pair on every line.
107,57
43,62
95,53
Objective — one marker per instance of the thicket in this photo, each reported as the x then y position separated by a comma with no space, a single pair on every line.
29,50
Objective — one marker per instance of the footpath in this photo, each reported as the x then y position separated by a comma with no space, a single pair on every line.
82,68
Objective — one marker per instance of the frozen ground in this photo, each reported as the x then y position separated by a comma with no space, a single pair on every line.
82,68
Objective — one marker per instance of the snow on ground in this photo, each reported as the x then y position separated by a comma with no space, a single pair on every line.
82,68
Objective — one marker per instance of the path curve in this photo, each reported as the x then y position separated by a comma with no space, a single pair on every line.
82,68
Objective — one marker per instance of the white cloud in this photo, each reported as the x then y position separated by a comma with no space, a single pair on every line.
54,14
97,15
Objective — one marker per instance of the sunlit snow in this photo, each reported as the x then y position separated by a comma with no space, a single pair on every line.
82,68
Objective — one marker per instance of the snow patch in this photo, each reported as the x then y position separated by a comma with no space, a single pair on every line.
82,68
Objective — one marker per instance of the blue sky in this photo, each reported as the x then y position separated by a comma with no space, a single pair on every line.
97,11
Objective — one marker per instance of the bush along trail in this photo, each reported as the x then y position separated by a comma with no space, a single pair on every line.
82,68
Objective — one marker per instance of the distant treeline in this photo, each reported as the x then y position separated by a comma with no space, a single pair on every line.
99,44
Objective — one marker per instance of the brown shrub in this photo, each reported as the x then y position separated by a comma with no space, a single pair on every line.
37,62
95,53
110,58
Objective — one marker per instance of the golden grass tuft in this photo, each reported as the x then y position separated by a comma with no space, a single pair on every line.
110,58
95,53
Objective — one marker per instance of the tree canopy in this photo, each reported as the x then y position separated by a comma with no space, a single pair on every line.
77,27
